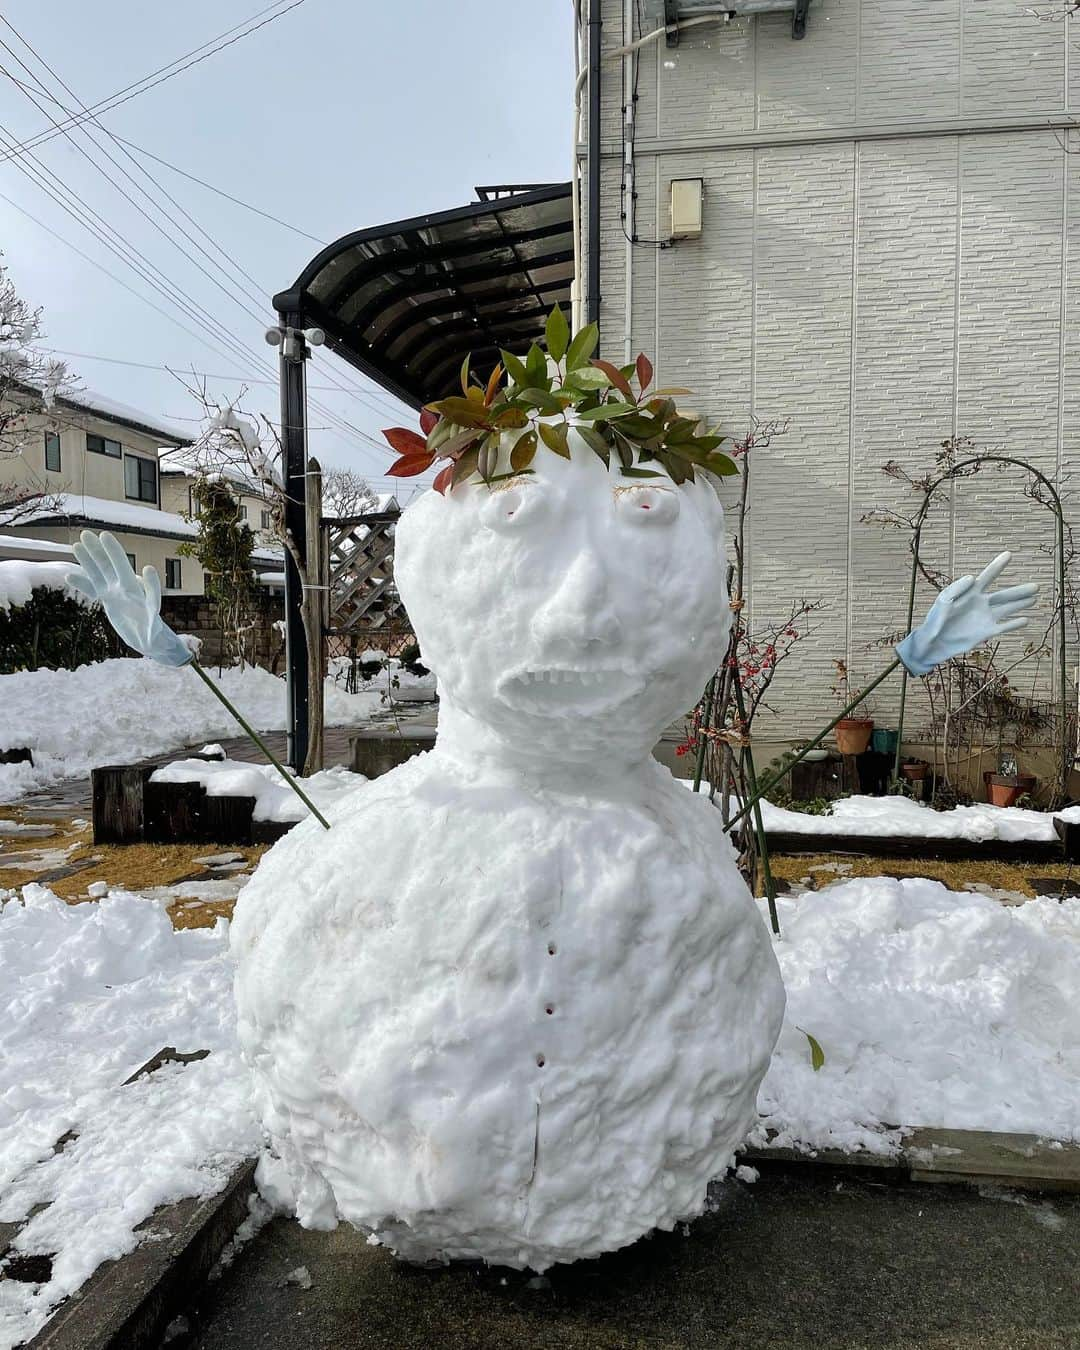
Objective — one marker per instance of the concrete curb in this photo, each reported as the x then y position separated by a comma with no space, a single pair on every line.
960,1157
128,1303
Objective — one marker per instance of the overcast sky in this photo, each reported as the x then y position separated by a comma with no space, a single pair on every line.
337,115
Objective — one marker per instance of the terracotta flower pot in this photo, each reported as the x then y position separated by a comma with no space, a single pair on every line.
1007,789
853,734
915,773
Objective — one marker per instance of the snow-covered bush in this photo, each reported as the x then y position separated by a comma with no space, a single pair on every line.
52,630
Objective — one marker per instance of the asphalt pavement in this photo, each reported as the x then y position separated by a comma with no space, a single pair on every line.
802,1258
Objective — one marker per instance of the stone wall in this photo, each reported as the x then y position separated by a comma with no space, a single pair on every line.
194,614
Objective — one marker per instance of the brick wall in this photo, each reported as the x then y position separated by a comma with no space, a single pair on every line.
265,644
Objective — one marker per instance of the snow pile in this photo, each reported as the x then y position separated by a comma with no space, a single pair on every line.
91,992
117,712
932,1007
18,579
515,1005
880,817
273,800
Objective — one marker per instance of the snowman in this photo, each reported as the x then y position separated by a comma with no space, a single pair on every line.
514,1004
517,1003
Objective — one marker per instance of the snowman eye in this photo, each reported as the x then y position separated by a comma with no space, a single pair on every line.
648,506
511,507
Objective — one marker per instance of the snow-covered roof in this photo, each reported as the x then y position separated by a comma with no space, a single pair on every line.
167,433
182,461
75,509
33,550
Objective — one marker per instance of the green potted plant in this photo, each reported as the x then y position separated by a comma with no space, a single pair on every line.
852,733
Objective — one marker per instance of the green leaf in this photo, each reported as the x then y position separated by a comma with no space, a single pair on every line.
463,412
587,377
555,437
817,1055
536,375
523,452
502,477
466,466
595,442
515,368
640,473
582,347
540,398
509,419
721,465
707,443
557,334
465,375
606,411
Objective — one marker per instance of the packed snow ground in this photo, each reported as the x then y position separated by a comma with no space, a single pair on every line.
880,817
91,992
932,1008
120,711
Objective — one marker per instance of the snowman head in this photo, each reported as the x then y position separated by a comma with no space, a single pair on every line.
573,612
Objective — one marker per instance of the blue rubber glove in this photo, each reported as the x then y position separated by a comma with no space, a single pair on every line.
964,616
131,603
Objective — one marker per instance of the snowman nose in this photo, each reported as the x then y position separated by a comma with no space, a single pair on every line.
579,612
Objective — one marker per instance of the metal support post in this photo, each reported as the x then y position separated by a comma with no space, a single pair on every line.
294,352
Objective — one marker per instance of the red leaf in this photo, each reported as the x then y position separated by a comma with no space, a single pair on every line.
442,480
428,421
408,466
404,441
644,371
617,378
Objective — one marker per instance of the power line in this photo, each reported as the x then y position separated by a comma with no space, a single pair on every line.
146,270
215,44
103,230
142,150
201,374
363,395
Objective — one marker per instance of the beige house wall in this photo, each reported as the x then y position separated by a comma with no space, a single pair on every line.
889,257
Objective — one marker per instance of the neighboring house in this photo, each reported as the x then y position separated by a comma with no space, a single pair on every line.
179,472
887,255
95,463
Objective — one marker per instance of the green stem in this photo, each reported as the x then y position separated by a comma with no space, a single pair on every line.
710,694
254,736
759,825
770,783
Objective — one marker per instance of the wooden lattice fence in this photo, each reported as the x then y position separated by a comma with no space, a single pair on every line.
364,607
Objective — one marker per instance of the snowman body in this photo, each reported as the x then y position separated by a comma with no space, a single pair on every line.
516,1004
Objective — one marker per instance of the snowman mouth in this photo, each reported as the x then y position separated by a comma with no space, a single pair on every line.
554,689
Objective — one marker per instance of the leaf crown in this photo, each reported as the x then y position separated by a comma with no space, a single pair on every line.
566,381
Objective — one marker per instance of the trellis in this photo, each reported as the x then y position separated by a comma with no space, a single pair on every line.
358,554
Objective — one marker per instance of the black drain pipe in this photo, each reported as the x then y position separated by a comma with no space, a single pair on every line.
592,284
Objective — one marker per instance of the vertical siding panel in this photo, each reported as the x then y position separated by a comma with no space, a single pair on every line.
909,60
1010,309
1012,60
802,371
903,405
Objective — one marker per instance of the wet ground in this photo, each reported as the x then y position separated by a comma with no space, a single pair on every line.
802,1258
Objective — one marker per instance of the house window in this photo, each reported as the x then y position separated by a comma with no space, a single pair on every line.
265,519
131,559
172,574
101,445
140,479
52,451
241,510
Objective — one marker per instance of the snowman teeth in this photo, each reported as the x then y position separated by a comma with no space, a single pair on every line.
582,691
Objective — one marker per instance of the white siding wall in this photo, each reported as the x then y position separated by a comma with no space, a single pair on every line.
886,261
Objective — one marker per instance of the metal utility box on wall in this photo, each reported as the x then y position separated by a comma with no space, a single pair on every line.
686,195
